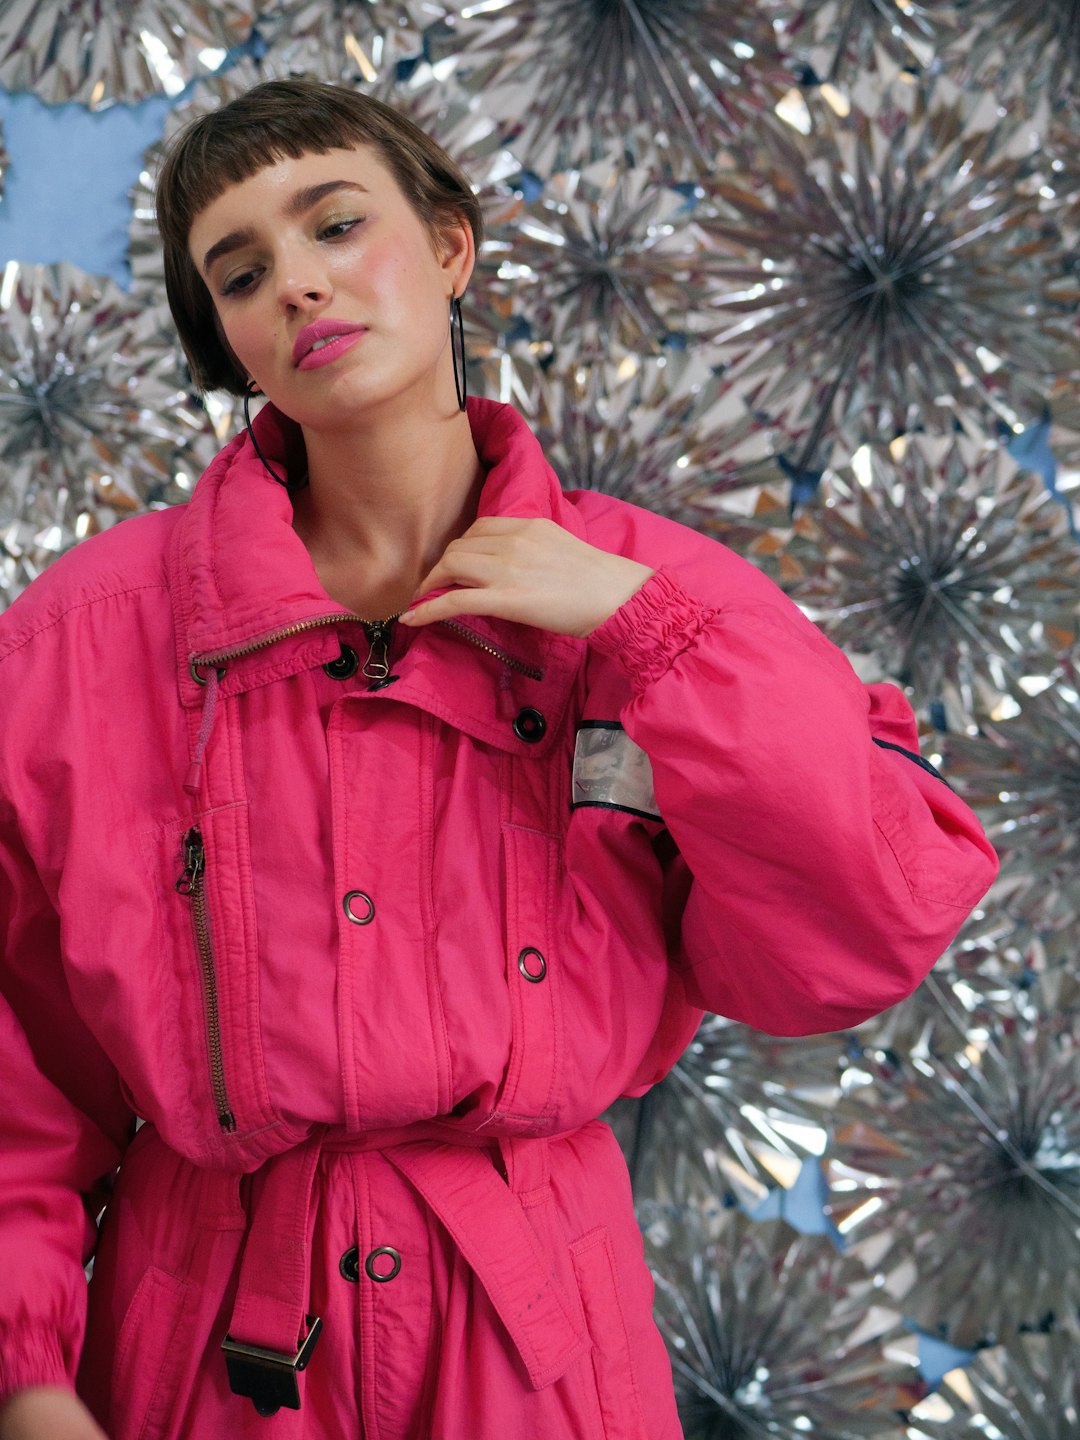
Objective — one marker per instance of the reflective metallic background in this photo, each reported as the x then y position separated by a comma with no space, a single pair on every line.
806,277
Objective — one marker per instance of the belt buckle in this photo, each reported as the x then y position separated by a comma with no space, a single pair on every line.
268,1377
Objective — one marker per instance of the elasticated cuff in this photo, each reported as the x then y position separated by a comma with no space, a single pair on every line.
30,1356
653,628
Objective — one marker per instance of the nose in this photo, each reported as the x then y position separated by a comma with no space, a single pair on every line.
303,283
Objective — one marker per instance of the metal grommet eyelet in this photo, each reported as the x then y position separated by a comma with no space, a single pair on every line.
376,1255
345,666
350,1265
195,671
530,952
530,725
347,907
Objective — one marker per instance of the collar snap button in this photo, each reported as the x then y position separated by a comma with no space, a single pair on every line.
345,666
366,912
530,725
383,1264
532,964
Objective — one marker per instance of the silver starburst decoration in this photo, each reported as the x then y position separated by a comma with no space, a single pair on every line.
887,273
604,261
750,1108
99,53
1022,774
1028,1389
843,39
772,1333
1015,47
666,433
958,1178
950,567
96,420
375,43
575,79
1006,964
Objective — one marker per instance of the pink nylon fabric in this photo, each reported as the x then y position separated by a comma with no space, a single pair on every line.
795,876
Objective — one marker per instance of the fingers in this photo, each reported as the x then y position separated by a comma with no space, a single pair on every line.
483,557
531,571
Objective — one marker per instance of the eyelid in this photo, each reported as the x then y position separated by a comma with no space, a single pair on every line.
349,219
229,288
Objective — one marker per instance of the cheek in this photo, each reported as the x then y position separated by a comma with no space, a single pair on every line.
401,281
241,336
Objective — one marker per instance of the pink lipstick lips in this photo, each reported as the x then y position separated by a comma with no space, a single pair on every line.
324,340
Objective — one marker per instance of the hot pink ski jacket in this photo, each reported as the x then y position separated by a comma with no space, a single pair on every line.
369,955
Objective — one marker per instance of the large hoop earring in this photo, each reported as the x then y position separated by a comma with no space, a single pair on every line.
457,347
251,389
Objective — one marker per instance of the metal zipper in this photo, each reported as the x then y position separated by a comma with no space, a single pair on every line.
377,633
481,644
192,884
222,657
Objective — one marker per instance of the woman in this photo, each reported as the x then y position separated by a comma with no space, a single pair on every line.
372,822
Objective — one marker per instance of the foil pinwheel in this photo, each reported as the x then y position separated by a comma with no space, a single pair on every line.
100,54
887,272
96,419
772,1333
957,1178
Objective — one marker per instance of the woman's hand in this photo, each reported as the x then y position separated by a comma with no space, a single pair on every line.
532,571
47,1412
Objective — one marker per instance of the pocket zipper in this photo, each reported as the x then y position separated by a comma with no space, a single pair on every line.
192,884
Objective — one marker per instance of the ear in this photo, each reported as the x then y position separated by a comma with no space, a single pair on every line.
456,249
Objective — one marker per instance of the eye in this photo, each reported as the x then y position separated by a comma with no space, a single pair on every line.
239,284
335,229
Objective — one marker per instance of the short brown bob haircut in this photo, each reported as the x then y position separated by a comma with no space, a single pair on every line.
273,121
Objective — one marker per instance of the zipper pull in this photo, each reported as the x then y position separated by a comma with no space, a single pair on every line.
194,862
377,664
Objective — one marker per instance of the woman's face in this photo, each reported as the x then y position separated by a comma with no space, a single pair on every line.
331,291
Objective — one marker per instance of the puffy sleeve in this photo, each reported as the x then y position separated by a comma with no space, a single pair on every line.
63,1126
828,865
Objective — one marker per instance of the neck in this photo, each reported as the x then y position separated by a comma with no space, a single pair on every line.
383,503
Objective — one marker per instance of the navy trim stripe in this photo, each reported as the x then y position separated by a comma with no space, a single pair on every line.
626,809
600,725
912,756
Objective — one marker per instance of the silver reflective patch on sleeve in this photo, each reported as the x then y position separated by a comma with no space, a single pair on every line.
610,770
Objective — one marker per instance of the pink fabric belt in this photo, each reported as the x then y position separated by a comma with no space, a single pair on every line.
483,1215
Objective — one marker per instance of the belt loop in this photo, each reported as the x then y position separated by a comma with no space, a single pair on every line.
527,1163
271,1335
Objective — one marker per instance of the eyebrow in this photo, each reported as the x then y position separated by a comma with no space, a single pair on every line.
299,203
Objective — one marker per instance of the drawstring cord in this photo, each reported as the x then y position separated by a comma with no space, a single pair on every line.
209,709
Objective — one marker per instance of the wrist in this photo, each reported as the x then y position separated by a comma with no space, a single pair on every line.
627,577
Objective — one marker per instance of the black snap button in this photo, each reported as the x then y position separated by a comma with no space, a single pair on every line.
384,1252
532,964
365,904
345,666
384,682
530,725
350,1265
